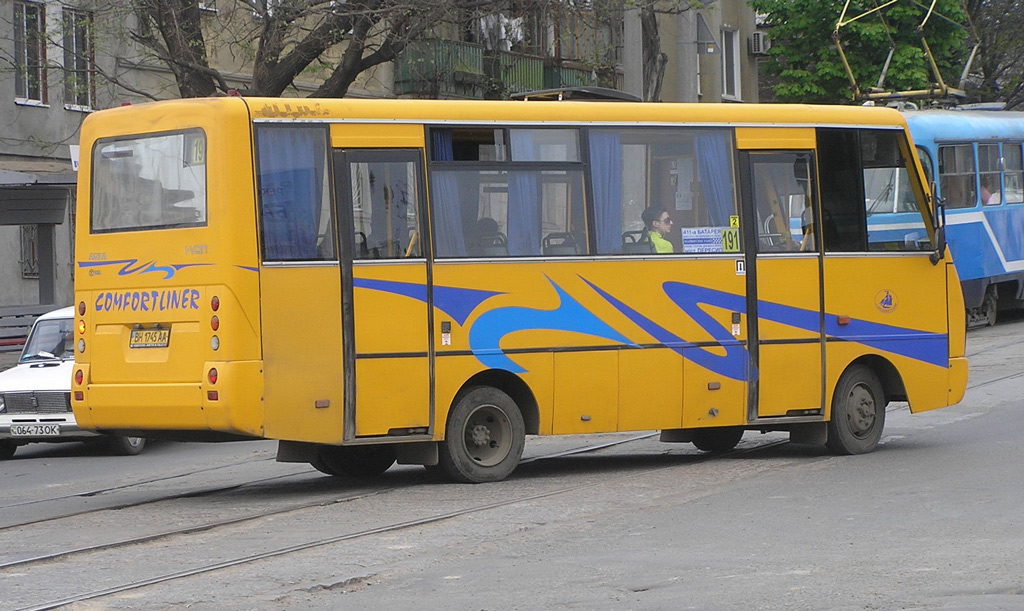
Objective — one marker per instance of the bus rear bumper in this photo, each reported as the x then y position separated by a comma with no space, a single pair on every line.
232,405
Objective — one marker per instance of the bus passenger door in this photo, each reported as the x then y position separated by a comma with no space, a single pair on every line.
783,284
385,292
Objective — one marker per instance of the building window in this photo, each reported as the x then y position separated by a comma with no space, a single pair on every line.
78,58
29,52
730,65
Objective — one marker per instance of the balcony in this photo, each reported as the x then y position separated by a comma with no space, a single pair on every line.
445,69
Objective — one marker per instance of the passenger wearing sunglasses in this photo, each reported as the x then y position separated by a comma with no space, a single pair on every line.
658,223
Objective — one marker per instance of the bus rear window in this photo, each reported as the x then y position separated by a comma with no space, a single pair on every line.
149,182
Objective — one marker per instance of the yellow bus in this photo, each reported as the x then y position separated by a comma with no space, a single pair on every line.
428,282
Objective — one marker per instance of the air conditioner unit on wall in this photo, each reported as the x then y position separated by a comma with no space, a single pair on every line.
759,43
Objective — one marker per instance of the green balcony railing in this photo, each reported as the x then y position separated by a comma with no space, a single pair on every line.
447,69
440,69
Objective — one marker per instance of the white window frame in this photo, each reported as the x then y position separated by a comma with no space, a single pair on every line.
731,73
77,79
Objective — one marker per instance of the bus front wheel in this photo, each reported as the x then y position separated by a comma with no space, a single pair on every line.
484,437
359,462
858,412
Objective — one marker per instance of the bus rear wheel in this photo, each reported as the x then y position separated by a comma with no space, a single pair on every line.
717,440
858,412
359,462
484,437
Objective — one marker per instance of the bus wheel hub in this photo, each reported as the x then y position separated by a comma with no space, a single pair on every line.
481,435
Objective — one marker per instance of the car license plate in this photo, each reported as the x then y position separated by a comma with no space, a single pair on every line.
35,430
149,338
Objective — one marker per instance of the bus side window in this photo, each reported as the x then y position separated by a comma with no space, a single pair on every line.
295,205
384,205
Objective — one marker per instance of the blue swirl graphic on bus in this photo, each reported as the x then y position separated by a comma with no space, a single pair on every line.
132,266
488,330
456,302
732,364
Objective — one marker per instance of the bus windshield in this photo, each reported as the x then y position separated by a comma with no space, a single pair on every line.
149,182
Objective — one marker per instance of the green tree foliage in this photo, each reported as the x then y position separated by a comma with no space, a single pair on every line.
998,75
809,69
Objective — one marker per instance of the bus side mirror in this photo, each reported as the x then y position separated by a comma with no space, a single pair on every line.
940,231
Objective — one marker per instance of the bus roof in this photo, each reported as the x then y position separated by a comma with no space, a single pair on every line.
566,112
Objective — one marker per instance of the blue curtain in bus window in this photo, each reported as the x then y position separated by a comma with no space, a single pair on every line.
444,199
714,163
291,170
524,214
606,168
524,201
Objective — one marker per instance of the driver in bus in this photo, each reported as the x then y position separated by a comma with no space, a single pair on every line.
658,223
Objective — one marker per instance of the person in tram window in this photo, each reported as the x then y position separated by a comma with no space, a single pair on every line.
658,223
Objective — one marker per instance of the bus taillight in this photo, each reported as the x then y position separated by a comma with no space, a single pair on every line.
79,377
215,323
81,308
212,376
215,303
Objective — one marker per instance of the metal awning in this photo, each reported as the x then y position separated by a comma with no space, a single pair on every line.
26,172
35,191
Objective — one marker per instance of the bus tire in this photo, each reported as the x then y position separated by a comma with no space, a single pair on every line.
125,446
7,449
358,462
858,412
484,437
717,440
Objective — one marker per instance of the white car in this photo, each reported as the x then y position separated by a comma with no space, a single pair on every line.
35,394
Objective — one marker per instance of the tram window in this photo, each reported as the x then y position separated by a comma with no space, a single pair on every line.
990,174
1013,177
956,175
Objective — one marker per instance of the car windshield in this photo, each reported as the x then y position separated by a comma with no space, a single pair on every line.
50,339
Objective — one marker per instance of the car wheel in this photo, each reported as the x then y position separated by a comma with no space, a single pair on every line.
360,462
7,449
858,412
717,440
125,446
484,437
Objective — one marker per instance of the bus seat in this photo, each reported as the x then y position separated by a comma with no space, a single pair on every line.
559,244
360,250
637,243
493,245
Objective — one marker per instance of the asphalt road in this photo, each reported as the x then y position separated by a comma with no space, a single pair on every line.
932,520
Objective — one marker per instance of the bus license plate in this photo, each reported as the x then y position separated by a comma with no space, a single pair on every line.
149,338
35,430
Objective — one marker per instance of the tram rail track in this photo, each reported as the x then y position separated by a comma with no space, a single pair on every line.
366,532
